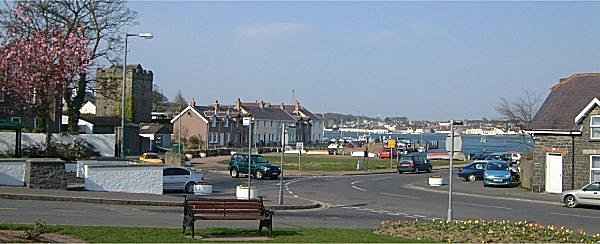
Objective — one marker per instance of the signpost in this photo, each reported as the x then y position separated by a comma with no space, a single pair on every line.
299,147
247,121
451,150
391,145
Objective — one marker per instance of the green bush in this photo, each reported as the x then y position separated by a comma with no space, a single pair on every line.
36,231
483,231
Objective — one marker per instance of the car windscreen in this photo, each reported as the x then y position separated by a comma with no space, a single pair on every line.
152,156
496,166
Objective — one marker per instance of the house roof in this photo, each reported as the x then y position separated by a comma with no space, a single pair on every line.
267,111
566,101
154,128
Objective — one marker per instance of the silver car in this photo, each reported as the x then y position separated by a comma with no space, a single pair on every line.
587,195
181,179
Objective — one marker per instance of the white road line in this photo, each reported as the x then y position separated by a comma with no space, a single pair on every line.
576,215
358,188
398,195
483,205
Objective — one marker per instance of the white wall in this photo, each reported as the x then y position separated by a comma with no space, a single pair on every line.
104,144
12,173
133,179
82,170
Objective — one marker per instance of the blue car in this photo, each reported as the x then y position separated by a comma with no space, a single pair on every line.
499,173
473,171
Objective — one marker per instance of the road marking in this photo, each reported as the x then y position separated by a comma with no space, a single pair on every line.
483,205
576,215
358,188
398,195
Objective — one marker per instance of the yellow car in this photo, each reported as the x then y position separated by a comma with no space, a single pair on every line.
151,158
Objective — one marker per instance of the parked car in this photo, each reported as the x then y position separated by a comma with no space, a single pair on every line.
499,173
511,157
385,154
260,168
151,158
587,195
181,179
473,171
414,163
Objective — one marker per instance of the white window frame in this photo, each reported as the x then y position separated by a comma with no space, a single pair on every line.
593,169
214,122
592,127
226,124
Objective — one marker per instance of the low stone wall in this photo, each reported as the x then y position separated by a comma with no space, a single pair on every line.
12,172
45,173
131,178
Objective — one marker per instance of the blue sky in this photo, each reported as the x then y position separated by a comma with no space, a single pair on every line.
436,60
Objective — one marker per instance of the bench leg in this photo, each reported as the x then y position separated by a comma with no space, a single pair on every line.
193,231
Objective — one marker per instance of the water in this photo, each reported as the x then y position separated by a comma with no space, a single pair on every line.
472,144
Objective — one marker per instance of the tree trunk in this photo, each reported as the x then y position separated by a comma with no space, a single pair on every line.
75,103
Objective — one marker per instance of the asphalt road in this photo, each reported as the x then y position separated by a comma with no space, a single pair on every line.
351,202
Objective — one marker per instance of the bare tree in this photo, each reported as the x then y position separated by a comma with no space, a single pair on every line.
522,110
101,21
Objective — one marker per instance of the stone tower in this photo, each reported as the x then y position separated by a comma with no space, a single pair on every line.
138,90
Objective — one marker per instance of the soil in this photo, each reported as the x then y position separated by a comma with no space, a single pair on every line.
11,236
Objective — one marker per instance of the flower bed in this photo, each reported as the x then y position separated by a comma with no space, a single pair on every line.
482,231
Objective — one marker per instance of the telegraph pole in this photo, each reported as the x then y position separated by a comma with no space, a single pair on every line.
450,171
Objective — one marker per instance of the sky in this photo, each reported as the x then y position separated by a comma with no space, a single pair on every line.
422,60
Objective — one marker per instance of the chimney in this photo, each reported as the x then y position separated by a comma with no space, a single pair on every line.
193,102
282,106
297,107
261,104
216,106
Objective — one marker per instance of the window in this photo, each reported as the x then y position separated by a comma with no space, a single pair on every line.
214,122
595,168
595,127
226,122
592,187
271,123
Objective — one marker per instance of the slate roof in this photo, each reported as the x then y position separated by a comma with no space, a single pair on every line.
209,111
566,100
270,112
154,128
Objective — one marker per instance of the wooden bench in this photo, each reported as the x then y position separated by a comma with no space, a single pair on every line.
226,209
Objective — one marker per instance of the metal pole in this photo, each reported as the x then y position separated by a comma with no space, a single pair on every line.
123,100
299,169
450,171
281,165
249,157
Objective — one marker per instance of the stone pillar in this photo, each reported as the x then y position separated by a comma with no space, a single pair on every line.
45,173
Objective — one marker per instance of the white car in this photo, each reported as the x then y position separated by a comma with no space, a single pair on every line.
181,179
587,195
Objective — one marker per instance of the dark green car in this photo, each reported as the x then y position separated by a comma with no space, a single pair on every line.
261,168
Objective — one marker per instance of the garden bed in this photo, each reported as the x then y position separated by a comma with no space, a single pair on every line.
483,231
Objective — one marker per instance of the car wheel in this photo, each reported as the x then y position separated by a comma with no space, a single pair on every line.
471,178
189,187
259,175
570,201
234,173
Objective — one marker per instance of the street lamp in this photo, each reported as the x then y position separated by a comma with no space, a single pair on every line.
145,35
452,124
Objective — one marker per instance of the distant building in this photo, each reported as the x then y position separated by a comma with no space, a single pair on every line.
138,93
28,117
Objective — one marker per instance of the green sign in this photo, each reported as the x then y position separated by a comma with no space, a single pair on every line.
11,124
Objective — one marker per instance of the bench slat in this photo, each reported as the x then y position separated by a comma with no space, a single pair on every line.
217,217
226,212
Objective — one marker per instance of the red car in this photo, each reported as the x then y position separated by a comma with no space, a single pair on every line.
386,154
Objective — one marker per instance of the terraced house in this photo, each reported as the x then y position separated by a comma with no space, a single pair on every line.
566,131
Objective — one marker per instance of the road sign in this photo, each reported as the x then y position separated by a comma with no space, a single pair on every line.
457,143
299,146
246,121
391,143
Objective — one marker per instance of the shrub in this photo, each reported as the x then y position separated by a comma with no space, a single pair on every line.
34,233
482,231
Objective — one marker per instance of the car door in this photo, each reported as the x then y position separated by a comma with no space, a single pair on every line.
590,194
180,178
242,164
168,178
479,169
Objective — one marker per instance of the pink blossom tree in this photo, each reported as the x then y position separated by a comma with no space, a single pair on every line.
35,69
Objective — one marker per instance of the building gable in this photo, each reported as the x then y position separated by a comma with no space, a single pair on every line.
189,107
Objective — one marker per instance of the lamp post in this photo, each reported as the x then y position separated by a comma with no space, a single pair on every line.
452,124
283,133
127,35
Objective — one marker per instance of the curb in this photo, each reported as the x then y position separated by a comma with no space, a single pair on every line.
420,188
132,202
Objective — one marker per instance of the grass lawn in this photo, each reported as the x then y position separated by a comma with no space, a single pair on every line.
337,162
139,234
